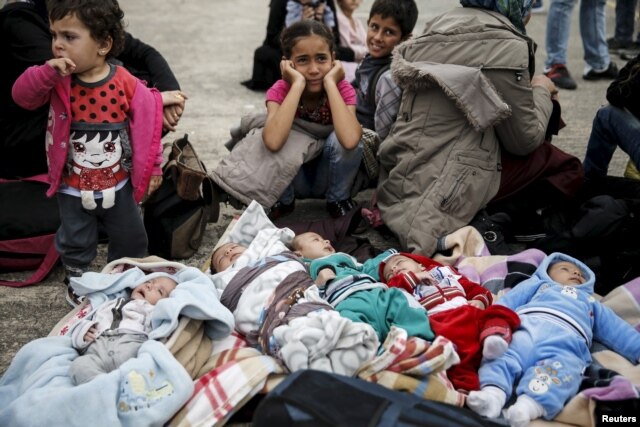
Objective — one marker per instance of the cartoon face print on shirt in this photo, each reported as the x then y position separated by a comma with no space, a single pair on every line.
96,150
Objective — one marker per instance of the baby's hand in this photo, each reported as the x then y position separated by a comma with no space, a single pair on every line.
427,278
325,275
63,66
289,73
154,183
335,74
90,336
477,303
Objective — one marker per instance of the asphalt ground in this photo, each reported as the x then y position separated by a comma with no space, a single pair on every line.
210,45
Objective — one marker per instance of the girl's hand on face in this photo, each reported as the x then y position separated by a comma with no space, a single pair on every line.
290,74
335,74
63,66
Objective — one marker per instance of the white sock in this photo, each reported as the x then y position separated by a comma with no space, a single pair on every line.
487,402
494,346
523,411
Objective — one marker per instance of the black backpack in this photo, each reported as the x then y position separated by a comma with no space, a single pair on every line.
315,398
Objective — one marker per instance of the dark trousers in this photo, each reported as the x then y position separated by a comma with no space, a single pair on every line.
77,237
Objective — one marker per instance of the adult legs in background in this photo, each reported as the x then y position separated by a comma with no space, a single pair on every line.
612,127
557,40
594,34
625,20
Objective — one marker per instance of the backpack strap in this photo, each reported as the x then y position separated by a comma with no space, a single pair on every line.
371,89
36,245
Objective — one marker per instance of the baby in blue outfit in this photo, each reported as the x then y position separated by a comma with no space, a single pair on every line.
550,351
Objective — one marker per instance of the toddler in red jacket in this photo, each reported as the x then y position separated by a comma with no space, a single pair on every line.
458,309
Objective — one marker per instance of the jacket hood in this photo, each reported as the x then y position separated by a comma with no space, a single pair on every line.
555,257
468,87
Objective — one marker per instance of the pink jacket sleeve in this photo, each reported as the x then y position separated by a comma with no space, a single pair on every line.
33,88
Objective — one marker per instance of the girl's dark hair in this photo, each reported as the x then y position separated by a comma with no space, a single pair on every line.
102,17
305,28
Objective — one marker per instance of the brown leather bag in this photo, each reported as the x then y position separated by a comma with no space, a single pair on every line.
176,215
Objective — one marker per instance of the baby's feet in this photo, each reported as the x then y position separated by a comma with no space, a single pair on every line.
523,411
494,346
487,402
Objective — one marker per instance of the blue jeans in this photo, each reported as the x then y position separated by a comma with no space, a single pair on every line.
612,127
330,175
625,17
592,29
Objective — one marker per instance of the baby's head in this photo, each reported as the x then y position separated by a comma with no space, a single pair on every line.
312,246
566,273
397,264
155,287
223,257
101,18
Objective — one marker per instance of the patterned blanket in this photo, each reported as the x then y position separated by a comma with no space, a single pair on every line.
612,383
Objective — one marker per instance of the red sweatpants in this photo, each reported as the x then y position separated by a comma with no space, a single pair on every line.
467,327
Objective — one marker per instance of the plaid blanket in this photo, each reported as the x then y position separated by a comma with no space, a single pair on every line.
239,372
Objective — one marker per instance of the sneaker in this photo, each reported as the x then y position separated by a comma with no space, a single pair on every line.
609,74
631,52
279,209
537,7
340,208
560,76
615,45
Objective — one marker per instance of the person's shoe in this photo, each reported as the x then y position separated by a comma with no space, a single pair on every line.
537,7
609,74
340,208
279,209
615,45
631,52
560,76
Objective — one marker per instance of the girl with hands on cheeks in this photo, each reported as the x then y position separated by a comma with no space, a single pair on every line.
313,89
103,135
